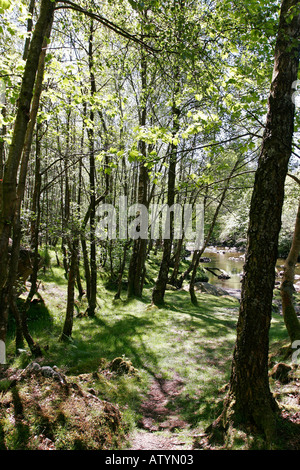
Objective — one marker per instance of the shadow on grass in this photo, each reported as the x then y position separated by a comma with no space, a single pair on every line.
197,341
39,318
54,275
21,427
288,434
110,340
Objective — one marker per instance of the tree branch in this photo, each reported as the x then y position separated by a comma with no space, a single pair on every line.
67,4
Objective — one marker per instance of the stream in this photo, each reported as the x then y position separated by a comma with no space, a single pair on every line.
232,261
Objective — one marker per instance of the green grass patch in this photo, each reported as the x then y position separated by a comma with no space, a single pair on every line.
193,342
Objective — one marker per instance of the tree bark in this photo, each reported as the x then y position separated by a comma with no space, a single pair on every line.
249,400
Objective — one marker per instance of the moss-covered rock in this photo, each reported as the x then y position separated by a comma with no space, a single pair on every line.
122,366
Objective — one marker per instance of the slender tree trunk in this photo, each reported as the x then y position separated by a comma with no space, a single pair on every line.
2,145
33,345
78,278
9,184
249,400
68,324
14,259
121,270
287,285
162,280
201,251
92,299
138,257
177,259
29,28
180,243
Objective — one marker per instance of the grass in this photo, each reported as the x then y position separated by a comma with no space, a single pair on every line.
196,343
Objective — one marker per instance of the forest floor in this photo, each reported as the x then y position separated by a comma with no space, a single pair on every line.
175,363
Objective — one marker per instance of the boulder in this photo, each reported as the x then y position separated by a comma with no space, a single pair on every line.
45,371
170,287
210,289
121,366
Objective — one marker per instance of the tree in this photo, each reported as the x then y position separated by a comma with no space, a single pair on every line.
249,400
287,285
9,184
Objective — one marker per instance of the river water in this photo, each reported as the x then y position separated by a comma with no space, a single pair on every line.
231,262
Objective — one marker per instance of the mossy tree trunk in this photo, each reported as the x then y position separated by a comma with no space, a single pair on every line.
249,399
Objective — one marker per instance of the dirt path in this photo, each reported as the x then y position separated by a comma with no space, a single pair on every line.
161,419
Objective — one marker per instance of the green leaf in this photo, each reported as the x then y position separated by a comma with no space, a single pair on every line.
4,4
133,155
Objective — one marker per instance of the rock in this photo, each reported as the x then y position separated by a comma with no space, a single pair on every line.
204,260
223,276
281,372
170,287
45,371
122,366
210,289
33,367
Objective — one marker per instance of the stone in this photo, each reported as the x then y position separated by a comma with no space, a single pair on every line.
210,289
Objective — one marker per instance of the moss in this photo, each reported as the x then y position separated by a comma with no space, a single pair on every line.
122,366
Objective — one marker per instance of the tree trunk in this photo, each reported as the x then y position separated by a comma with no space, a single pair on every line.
121,270
68,324
92,299
34,347
162,280
78,277
200,252
9,184
287,285
139,250
16,148
249,399
29,28
2,146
